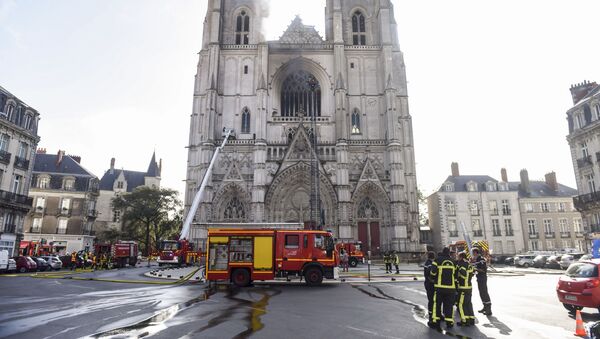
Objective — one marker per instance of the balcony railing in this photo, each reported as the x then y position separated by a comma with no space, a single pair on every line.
565,234
477,233
453,233
579,234
4,157
21,163
13,198
510,233
61,231
534,235
506,211
497,234
9,228
585,161
581,201
549,234
35,230
92,213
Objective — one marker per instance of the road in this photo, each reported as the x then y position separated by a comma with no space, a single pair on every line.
524,306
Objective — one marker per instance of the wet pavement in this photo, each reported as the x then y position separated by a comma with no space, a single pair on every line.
524,306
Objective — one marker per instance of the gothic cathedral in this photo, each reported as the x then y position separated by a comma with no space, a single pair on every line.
313,116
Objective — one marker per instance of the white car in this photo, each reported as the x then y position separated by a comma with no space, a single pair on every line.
524,260
567,259
53,261
12,265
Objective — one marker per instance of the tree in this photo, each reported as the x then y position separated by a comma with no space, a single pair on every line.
423,208
149,214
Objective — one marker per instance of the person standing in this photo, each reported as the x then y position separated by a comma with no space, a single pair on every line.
429,286
481,269
387,260
344,259
73,260
464,274
396,259
443,271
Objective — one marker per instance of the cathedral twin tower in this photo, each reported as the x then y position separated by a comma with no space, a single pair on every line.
347,91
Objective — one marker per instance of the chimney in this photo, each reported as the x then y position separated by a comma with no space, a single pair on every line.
59,157
524,181
503,175
579,91
112,165
77,158
551,181
40,151
454,168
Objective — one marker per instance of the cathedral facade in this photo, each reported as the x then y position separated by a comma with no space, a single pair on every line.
313,116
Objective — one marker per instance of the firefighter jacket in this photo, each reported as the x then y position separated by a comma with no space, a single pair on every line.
480,267
464,274
387,259
443,270
73,257
396,259
427,271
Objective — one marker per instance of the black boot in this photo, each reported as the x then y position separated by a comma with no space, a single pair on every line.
482,310
487,309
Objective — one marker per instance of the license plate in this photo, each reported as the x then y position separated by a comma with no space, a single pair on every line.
570,297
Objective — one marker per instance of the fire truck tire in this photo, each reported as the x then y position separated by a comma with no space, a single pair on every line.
353,262
240,277
313,276
132,261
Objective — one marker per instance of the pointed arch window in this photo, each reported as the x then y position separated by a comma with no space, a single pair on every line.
245,120
242,28
301,91
367,205
356,121
234,210
359,36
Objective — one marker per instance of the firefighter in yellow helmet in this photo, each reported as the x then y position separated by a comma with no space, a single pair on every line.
464,274
443,273
73,260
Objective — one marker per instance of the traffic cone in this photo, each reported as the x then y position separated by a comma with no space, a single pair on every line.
579,329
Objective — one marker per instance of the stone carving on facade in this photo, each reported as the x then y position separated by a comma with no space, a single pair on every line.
298,33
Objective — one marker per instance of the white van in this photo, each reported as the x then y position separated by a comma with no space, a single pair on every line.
4,261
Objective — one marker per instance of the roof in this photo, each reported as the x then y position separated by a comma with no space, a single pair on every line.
48,163
460,182
153,170
134,179
539,189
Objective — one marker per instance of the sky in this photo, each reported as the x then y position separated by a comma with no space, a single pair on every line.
488,81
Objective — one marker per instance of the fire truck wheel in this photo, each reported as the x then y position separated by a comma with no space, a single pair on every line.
313,276
241,277
353,262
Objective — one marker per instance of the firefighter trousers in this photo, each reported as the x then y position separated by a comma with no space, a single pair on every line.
443,303
465,307
483,290
430,291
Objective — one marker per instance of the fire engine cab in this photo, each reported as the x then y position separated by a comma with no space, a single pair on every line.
244,255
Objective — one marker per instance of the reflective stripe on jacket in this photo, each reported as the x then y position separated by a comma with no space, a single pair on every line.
443,270
464,274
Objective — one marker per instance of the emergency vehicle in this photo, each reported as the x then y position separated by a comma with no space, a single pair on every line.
34,248
119,254
355,254
177,252
461,245
244,255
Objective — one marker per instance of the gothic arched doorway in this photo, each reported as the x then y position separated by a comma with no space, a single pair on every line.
370,212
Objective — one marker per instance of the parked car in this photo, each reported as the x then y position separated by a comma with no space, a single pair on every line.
42,265
540,261
4,261
579,287
12,265
567,259
53,261
586,257
509,261
25,264
553,261
524,260
66,261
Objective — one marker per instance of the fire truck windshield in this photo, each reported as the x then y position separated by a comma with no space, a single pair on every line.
170,246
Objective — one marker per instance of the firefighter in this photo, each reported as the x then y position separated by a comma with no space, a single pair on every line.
481,269
73,260
93,262
387,260
396,259
443,270
102,261
464,274
429,285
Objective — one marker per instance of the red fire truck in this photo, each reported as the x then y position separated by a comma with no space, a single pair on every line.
244,255
119,254
177,252
355,254
34,248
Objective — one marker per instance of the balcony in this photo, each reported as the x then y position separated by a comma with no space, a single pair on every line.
35,230
9,228
510,233
586,202
477,233
497,234
534,235
579,234
594,228
585,161
4,157
453,233
549,234
565,234
21,163
506,211
16,201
